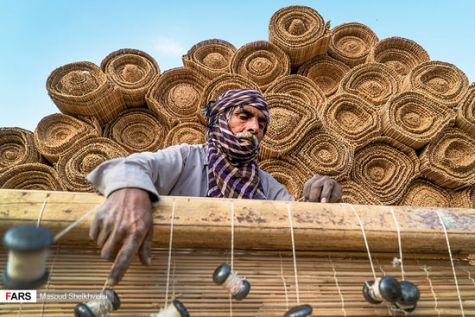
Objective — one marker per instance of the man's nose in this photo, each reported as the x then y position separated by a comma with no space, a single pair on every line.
252,126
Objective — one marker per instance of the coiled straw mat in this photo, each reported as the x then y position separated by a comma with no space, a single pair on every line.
82,158
17,147
465,198
138,130
82,88
33,176
57,133
353,193
260,61
211,58
290,119
423,193
322,153
177,94
449,161
351,118
186,132
414,119
301,87
443,82
385,167
300,32
373,81
133,71
285,171
326,72
399,54
225,82
466,112
351,43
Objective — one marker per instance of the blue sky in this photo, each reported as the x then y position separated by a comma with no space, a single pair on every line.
39,35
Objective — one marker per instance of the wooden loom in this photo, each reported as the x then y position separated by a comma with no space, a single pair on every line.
331,256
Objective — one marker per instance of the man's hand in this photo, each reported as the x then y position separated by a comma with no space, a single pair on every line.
122,227
322,189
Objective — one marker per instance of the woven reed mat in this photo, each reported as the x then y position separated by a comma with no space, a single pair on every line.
211,58
31,176
300,32
385,167
260,61
326,72
414,119
449,161
290,119
187,132
82,158
423,193
374,82
57,133
331,282
466,112
138,130
286,172
354,193
81,88
133,71
351,118
443,82
17,147
351,43
399,54
177,94
465,198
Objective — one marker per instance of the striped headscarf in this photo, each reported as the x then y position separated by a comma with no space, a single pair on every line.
232,162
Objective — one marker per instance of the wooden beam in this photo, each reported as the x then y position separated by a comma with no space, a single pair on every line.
206,222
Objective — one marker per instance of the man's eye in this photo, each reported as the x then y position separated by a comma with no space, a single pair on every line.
243,117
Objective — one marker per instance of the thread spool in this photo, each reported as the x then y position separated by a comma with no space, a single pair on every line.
27,253
383,289
237,286
410,295
175,309
299,311
99,307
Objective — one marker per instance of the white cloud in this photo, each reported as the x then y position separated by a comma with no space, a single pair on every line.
169,46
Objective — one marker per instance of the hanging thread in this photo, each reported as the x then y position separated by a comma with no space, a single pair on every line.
436,302
338,287
289,212
399,243
284,282
170,245
42,210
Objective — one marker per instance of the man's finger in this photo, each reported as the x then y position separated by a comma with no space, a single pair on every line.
145,250
104,233
327,191
123,259
306,188
112,245
315,191
337,194
95,227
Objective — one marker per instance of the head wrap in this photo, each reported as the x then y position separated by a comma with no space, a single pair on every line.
232,162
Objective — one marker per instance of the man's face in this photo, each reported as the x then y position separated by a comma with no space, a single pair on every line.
247,120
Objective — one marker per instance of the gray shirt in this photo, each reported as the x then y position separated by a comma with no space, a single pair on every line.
179,170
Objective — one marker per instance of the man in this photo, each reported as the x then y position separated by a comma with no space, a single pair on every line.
224,167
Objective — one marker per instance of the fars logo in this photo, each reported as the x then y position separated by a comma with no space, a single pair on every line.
18,296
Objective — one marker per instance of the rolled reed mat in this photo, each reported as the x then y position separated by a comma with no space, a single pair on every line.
31,176
301,87
17,147
351,118
414,119
57,133
210,58
373,81
138,130
464,198
443,82
399,54
300,32
223,83
322,153
449,161
353,193
286,172
385,167
290,119
81,159
466,112
326,72
423,193
260,61
351,43
186,132
82,88
133,71
177,94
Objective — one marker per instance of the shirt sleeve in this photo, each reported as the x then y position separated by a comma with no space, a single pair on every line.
273,189
155,172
